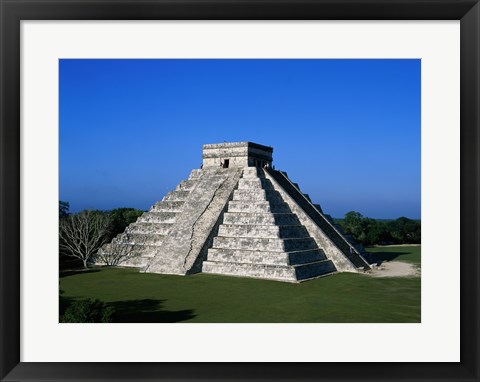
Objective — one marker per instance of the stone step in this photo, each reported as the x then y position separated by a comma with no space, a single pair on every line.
253,172
257,195
264,244
271,272
157,217
254,183
263,231
257,206
265,257
168,206
149,228
250,195
260,218
186,185
176,196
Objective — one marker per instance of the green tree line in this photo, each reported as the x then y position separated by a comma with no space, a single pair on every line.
370,231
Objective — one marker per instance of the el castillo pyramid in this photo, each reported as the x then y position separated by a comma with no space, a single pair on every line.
237,216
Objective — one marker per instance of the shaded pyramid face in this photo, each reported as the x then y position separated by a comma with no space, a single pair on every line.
237,219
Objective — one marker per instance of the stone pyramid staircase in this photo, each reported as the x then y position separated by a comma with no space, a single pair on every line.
142,240
260,237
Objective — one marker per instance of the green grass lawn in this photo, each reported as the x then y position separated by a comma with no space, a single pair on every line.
342,297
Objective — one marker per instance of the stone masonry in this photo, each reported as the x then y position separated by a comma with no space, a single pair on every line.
237,216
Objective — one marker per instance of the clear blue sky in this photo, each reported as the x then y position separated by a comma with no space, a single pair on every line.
348,131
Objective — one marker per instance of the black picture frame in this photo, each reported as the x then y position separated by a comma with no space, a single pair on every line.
13,11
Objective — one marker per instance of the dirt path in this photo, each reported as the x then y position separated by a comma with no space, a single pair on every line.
394,269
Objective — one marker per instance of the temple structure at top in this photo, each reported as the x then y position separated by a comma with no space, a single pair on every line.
237,154
236,216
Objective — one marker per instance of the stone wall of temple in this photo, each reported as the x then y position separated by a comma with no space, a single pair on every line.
238,154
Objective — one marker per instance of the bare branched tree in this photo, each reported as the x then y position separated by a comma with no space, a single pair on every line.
82,234
121,249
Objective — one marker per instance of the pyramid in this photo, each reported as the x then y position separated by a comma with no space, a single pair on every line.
237,216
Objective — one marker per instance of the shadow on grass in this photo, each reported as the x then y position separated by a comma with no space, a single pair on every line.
64,303
137,311
147,310
74,272
68,262
379,257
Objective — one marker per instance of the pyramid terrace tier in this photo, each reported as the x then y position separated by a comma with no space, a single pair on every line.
265,257
186,185
168,206
142,238
271,272
260,218
257,195
257,206
254,184
263,231
137,261
157,217
131,255
140,250
148,228
180,195
264,244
